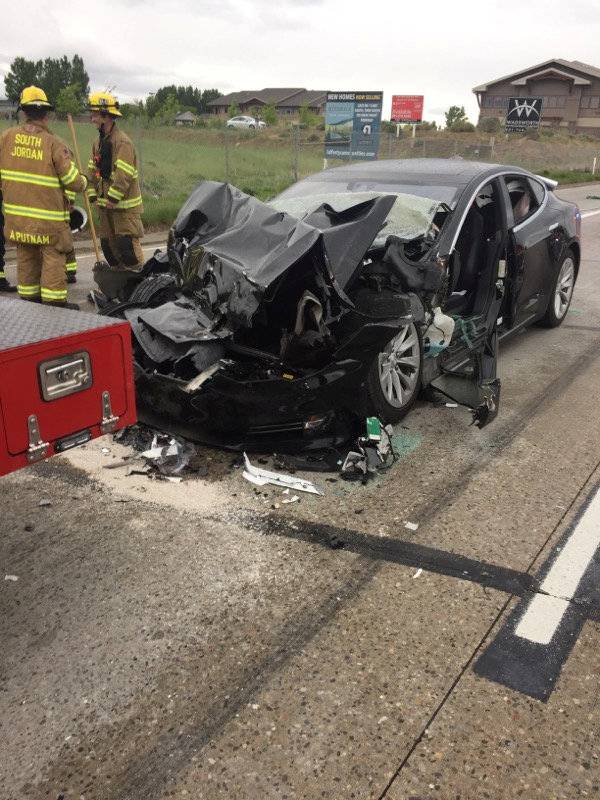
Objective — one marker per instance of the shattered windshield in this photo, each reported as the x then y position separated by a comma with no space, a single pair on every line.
411,216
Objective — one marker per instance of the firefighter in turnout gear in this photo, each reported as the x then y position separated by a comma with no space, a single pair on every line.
5,286
36,171
114,186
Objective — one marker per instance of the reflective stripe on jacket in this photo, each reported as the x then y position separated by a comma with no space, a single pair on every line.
36,173
122,191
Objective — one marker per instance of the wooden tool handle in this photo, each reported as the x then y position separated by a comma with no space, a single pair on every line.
86,199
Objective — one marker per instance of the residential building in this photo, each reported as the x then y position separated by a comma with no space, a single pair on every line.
285,100
570,92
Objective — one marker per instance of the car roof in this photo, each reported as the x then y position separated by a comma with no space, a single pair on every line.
440,171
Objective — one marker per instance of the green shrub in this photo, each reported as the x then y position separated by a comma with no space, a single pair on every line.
462,126
489,125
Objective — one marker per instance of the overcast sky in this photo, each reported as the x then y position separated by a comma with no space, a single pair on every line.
439,49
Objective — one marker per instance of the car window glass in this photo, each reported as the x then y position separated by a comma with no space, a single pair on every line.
538,190
522,198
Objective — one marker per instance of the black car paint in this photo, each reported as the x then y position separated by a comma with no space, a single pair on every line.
251,413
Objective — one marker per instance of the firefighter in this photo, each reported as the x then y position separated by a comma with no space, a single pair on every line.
36,169
5,286
114,186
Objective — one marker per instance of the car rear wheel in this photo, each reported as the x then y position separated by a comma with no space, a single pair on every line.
394,378
252,127
562,293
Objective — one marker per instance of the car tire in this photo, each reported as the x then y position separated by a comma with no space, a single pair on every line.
252,127
394,377
562,293
154,290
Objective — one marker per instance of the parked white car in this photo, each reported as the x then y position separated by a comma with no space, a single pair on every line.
245,122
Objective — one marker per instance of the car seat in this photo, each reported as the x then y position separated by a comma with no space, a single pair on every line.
467,261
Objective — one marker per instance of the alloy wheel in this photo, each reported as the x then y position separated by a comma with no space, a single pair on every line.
399,367
564,288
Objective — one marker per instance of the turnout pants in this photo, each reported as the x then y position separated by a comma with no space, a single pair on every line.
2,245
71,263
120,234
41,273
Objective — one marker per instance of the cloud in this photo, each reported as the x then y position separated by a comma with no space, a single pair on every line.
441,50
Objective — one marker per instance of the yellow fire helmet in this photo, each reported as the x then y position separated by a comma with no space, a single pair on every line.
103,101
34,97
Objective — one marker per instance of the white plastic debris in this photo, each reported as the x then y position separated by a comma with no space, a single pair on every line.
412,526
261,477
169,458
13,578
417,573
44,503
202,377
451,405
293,499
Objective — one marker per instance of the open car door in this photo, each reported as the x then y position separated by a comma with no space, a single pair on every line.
473,382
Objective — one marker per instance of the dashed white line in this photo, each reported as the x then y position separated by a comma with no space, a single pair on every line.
545,612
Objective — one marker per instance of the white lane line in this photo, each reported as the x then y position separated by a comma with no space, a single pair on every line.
544,613
586,214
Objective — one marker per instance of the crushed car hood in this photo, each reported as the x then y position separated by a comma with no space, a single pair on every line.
248,245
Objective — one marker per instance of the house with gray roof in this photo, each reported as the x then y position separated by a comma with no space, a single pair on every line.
570,92
286,100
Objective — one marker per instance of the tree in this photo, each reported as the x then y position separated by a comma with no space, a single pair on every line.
269,114
207,96
51,74
167,111
455,114
22,73
69,101
233,110
305,116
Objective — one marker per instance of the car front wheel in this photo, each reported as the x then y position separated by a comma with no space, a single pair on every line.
394,378
560,300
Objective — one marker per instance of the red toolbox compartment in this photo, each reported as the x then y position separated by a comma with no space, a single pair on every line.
65,377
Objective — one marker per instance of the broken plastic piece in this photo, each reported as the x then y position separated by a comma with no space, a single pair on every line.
197,382
261,477
169,458
412,526
13,578
355,463
293,499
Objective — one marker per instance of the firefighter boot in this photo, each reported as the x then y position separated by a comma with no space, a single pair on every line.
62,304
5,286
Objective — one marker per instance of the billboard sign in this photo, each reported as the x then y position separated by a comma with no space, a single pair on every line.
352,124
524,114
407,108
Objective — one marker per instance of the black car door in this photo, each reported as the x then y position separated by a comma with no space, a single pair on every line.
473,381
530,232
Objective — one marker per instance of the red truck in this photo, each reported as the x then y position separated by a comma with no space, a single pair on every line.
66,377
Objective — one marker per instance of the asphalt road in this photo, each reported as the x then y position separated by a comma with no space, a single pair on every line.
191,641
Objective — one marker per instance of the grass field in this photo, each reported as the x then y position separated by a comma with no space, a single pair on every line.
173,160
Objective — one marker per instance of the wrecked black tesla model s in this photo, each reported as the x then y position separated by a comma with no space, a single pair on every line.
287,322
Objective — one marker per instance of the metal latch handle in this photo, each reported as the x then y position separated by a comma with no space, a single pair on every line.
109,421
37,449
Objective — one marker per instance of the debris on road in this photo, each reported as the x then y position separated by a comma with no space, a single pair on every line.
262,477
412,526
13,578
293,499
170,456
417,573
44,503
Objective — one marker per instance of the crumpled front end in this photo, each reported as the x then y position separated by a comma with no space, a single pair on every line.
259,330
